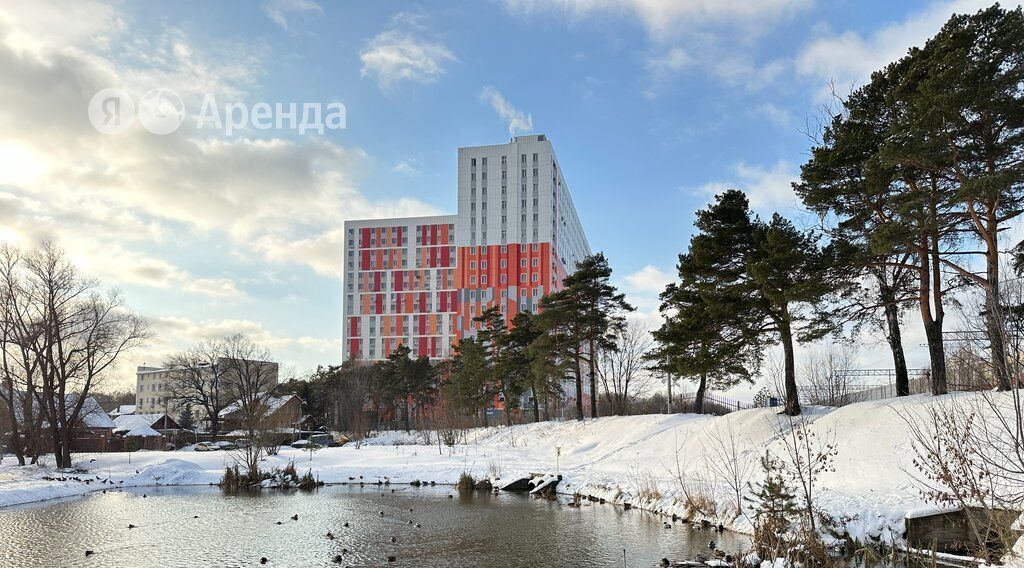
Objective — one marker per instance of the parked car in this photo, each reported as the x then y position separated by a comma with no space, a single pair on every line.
305,445
207,447
243,442
225,445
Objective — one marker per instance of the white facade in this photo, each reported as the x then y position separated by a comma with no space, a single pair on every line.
421,281
516,193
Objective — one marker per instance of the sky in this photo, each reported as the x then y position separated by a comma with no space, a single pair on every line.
652,106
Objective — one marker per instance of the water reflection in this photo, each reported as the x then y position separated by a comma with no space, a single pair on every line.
202,527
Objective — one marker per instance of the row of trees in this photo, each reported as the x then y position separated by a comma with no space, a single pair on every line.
575,328
915,178
580,335
60,336
922,172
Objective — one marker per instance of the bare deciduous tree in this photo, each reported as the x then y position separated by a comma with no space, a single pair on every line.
968,454
61,336
197,380
251,376
726,461
806,456
623,372
823,374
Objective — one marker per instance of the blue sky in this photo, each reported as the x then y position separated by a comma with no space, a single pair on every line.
652,107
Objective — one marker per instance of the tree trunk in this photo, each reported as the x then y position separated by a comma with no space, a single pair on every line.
405,415
16,445
937,355
933,328
593,381
536,405
579,389
894,336
994,322
698,399
508,410
792,397
483,410
62,449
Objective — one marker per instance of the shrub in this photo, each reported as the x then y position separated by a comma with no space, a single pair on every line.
466,482
307,482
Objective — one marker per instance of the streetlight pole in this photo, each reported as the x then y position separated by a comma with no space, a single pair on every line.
668,401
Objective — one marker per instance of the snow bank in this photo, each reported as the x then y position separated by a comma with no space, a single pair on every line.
174,472
629,459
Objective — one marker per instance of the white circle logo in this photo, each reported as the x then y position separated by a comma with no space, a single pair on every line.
111,111
161,111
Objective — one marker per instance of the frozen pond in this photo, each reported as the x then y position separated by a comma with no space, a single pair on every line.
472,530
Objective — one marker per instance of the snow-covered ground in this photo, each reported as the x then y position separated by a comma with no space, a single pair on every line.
612,458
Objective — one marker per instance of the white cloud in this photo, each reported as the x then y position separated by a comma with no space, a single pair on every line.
665,18
65,180
662,67
280,10
650,279
671,61
123,205
642,289
848,58
409,167
717,37
767,189
518,121
401,54
774,114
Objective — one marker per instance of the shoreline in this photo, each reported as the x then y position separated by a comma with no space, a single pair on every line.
635,461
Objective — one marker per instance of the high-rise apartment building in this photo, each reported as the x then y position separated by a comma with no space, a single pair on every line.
420,281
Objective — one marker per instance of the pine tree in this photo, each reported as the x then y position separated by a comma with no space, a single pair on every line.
519,369
599,309
757,282
699,342
762,399
494,335
560,350
791,278
775,507
186,419
407,381
466,388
